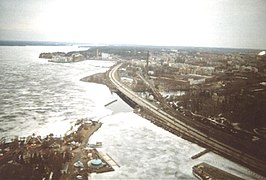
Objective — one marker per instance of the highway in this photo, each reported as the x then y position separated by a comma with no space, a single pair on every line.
216,146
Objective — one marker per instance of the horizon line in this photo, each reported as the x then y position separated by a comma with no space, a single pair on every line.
65,43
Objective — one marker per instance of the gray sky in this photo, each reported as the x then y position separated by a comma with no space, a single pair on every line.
212,23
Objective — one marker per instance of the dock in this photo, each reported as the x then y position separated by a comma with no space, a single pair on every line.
110,103
205,171
200,154
109,160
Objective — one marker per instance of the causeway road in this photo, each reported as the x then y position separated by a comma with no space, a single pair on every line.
216,146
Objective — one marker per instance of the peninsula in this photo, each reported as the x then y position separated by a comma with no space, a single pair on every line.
66,158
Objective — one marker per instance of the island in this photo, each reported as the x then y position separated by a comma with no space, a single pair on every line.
92,53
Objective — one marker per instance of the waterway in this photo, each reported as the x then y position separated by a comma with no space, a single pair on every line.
42,97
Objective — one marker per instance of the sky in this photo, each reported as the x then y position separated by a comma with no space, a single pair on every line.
203,23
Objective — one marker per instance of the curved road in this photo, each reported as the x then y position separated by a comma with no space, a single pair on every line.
243,158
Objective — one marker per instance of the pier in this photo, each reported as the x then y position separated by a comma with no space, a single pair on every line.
200,154
110,103
206,171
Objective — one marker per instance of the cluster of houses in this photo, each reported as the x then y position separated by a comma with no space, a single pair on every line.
33,157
